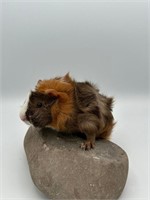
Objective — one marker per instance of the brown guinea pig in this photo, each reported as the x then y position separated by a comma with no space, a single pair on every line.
69,106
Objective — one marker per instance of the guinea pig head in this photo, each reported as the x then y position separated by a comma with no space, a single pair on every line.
36,110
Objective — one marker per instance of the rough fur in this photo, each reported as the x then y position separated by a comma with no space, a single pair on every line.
72,107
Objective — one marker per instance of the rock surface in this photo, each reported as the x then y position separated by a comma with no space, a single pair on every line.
61,170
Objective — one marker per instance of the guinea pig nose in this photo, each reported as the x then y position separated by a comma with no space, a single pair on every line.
30,115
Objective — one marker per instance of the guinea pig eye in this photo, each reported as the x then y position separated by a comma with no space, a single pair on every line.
39,105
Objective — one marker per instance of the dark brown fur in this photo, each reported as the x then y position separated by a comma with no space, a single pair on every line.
72,106
39,106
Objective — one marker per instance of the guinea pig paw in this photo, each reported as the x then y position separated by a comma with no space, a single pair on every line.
87,145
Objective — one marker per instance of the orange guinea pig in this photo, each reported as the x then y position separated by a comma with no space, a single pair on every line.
70,106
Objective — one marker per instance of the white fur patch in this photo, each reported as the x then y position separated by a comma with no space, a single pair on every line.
24,108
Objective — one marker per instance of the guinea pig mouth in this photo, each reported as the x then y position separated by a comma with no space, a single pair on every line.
40,123
35,123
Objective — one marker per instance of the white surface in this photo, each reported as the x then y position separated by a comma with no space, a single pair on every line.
105,42
130,133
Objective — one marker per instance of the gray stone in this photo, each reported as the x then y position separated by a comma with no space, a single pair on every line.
61,170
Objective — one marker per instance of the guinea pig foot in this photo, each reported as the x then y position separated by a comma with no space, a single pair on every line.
87,145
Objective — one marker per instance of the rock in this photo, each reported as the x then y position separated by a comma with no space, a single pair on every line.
61,170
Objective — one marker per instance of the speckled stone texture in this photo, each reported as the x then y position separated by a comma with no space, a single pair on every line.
61,170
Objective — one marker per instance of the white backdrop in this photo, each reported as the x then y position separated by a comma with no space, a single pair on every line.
105,42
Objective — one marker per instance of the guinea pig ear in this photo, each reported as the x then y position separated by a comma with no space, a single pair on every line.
57,95
52,93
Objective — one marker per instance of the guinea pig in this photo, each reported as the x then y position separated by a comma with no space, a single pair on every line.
69,106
